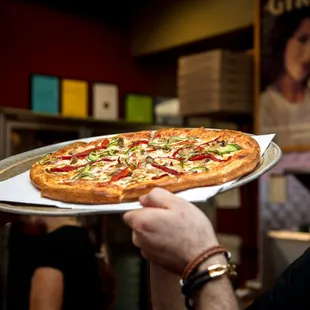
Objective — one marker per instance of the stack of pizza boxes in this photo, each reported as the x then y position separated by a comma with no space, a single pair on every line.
215,81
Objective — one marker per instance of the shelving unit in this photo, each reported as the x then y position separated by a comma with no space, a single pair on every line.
240,119
23,130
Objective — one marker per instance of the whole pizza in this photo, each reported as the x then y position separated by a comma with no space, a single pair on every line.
126,166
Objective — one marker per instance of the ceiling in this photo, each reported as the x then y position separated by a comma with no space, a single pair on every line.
117,13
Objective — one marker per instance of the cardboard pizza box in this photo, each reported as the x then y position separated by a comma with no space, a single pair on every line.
215,81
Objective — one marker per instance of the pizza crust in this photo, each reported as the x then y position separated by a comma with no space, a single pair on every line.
87,192
77,192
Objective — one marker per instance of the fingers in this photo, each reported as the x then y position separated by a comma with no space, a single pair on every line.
145,220
156,198
159,198
138,220
129,217
135,239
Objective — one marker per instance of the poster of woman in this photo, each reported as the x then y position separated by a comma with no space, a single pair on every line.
284,60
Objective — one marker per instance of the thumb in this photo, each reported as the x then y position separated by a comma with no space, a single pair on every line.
159,198
129,217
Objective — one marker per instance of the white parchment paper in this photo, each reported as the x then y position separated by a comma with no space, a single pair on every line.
19,189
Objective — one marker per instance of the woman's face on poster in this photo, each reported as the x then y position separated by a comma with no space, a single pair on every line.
297,52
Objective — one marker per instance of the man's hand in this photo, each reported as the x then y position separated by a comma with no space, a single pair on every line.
169,230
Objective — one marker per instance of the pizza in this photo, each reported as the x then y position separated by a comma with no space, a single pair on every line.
124,167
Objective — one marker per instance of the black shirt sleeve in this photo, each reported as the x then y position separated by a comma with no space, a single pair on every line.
65,247
292,289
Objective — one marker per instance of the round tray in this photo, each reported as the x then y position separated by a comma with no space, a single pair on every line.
20,163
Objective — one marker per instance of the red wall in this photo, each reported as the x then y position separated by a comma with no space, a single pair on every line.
42,40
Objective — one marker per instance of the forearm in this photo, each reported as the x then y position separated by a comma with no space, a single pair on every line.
166,292
46,292
218,294
165,289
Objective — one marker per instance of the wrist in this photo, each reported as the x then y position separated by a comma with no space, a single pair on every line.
197,250
216,270
210,264
202,257
229,277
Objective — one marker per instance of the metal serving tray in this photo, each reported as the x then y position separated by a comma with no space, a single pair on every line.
20,163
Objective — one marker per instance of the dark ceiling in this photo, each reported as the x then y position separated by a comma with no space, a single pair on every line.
117,13
120,14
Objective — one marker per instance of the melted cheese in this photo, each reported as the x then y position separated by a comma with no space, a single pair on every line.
158,149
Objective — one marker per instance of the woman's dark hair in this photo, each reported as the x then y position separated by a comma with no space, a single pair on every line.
283,29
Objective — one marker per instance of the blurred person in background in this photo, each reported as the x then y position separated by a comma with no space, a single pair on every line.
55,265
172,232
285,101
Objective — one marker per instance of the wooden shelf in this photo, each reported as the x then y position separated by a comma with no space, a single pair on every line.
21,115
230,117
